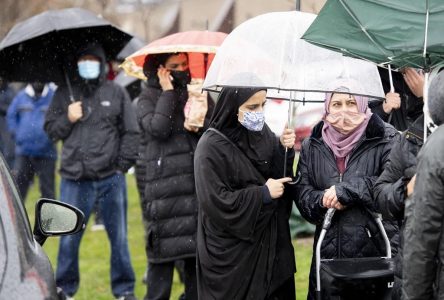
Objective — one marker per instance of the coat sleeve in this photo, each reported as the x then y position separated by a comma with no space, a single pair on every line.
389,189
12,117
423,234
155,116
57,124
238,211
359,190
129,134
308,199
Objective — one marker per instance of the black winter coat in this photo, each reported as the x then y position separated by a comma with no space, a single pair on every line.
390,188
104,142
353,232
170,198
423,272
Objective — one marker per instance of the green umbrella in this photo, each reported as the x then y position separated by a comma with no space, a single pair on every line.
403,33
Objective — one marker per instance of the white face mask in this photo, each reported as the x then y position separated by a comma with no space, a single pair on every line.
89,69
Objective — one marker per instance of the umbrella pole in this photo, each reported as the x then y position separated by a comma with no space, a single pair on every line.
68,84
425,94
290,111
392,89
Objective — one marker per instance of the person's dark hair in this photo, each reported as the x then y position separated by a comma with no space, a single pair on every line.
153,61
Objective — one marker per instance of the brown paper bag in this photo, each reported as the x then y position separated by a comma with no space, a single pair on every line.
197,105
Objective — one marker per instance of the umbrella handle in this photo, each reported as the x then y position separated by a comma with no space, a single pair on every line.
392,88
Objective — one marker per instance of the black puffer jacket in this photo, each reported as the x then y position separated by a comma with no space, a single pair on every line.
390,188
353,232
170,199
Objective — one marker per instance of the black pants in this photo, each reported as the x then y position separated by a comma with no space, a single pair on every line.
25,169
160,279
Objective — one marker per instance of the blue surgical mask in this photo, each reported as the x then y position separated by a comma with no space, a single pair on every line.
253,120
89,69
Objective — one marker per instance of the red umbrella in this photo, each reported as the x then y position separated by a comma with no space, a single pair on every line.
201,47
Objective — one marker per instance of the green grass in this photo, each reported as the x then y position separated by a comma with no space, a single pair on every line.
94,254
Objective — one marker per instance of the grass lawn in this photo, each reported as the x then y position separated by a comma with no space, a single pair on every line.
94,254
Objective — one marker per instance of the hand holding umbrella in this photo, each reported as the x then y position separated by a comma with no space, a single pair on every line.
75,111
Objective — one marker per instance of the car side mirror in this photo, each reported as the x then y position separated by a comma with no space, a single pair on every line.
54,218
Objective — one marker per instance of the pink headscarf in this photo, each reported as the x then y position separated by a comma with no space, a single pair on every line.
339,143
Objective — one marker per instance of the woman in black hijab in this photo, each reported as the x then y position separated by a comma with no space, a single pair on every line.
244,248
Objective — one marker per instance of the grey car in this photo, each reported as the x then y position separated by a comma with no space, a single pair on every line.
25,270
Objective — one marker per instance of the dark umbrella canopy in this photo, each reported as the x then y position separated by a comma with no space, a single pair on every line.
130,83
133,45
43,46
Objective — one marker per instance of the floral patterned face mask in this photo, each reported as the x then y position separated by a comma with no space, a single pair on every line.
253,120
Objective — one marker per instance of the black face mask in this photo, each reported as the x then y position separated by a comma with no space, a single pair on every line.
181,78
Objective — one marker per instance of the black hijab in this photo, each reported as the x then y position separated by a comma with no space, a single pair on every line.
257,146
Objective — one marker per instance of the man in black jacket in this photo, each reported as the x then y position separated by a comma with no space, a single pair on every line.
99,134
424,243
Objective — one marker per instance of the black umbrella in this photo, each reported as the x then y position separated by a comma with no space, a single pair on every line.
43,47
132,84
132,46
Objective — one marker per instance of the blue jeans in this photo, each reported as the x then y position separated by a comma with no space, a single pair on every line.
110,192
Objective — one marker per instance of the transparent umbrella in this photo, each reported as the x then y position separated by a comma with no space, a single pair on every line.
266,51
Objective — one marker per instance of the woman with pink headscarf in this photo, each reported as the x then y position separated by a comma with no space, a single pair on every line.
338,166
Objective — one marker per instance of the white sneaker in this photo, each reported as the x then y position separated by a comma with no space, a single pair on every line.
97,227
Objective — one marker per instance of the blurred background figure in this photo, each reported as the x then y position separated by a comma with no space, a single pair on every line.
35,152
6,142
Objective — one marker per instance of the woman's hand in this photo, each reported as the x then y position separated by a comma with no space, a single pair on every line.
190,128
330,200
164,78
287,138
411,186
392,102
276,186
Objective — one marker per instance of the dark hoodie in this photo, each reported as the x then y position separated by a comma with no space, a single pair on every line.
105,139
